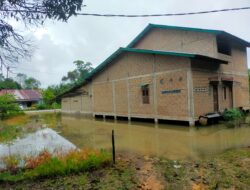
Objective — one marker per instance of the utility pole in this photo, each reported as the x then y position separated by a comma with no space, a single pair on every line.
8,69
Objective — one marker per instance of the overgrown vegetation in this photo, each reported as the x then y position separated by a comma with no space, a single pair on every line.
120,177
230,170
8,106
233,114
47,165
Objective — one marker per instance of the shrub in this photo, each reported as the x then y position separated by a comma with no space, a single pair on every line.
232,114
41,106
8,106
11,162
55,106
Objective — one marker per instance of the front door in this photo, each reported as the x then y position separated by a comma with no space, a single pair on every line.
230,96
215,97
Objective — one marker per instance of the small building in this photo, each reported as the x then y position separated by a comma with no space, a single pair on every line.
167,73
25,98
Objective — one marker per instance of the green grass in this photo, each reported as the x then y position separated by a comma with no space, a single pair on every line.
120,177
106,178
51,166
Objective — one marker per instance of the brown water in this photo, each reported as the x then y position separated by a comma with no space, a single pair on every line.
171,141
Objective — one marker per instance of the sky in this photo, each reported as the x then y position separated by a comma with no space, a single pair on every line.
93,39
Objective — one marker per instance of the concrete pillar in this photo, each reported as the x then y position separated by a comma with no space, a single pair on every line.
191,123
156,121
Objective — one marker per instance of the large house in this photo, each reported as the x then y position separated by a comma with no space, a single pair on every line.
167,73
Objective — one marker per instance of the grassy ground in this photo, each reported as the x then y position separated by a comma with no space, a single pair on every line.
230,170
120,177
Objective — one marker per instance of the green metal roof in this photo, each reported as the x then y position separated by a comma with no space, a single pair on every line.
142,51
215,32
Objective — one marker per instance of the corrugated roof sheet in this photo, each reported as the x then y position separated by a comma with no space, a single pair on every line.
23,95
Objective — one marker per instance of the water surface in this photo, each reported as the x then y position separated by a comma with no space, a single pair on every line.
170,141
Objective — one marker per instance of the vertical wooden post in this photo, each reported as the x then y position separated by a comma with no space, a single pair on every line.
113,146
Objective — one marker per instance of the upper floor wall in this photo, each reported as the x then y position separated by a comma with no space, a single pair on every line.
208,44
179,41
131,65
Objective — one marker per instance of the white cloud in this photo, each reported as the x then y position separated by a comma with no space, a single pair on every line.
94,39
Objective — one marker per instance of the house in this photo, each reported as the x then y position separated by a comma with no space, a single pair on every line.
166,73
25,98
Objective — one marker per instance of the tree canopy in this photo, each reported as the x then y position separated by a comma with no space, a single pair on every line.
13,45
78,74
8,83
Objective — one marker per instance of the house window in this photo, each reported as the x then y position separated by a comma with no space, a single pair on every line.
225,92
145,94
223,46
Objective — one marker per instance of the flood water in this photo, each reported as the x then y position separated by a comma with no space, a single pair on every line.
148,139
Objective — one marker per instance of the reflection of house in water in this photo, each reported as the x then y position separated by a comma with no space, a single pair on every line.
26,98
168,73
157,140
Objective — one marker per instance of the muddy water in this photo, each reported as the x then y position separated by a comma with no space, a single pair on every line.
171,141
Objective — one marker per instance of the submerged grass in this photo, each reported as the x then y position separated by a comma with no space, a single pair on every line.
46,165
18,126
8,133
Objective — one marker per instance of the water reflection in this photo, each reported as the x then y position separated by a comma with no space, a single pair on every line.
174,142
34,143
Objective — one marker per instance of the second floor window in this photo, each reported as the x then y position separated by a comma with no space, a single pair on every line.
145,94
223,46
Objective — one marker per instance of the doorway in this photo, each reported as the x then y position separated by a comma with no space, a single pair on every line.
215,98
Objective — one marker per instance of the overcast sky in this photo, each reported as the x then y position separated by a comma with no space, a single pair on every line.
93,39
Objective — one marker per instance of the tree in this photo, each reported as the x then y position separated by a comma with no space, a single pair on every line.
13,45
9,83
31,83
8,105
20,78
78,74
83,68
48,96
72,77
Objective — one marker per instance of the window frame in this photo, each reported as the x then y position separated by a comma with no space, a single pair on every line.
145,94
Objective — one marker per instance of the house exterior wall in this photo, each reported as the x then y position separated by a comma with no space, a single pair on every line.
179,88
79,103
235,69
117,89
179,41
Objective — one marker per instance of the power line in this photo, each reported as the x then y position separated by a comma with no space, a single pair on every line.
164,14
136,15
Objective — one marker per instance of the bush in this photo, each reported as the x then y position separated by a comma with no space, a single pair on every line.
232,114
43,106
55,106
8,106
